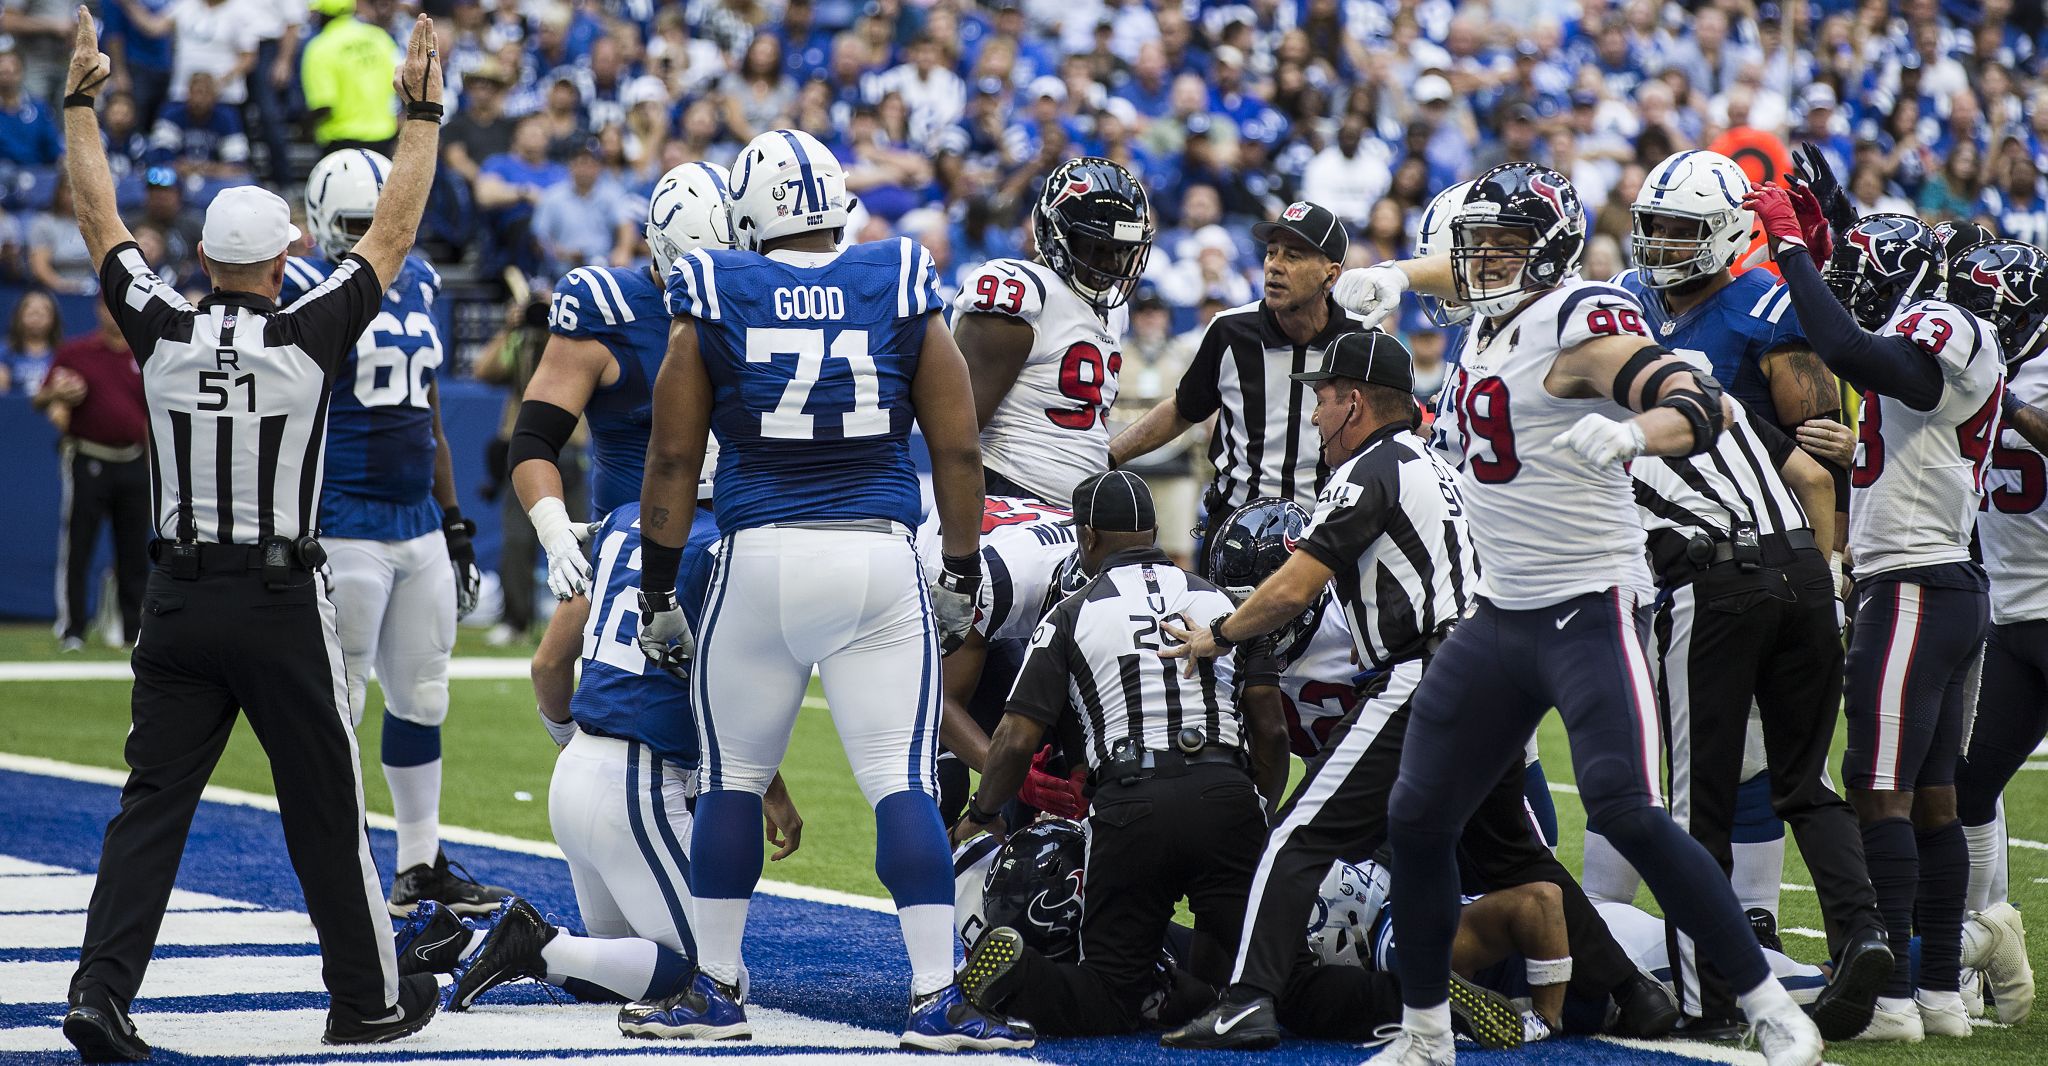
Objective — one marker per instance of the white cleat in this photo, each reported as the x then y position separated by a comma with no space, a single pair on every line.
1787,1037
1949,1019
2007,971
1410,1049
1973,993
1895,1026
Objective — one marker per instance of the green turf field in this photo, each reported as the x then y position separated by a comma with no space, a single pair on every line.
495,750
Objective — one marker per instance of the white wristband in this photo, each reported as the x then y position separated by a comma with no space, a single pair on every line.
562,732
1545,972
550,520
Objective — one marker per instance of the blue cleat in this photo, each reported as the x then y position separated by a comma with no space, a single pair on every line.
707,1010
945,1021
432,940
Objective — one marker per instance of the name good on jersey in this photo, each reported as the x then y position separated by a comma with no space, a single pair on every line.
623,309
1730,331
380,425
1318,687
2012,526
1918,476
1051,431
1547,525
1023,543
812,416
620,694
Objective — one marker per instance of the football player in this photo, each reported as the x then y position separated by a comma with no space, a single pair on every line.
813,363
399,552
1559,384
1932,378
1043,336
608,331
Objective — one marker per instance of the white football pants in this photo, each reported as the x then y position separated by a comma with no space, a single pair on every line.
395,604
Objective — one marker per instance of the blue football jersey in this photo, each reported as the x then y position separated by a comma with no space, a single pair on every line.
621,694
810,371
621,308
1733,329
380,428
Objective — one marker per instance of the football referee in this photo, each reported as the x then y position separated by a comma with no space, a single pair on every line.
235,617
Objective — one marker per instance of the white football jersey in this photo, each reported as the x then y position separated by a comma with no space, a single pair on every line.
1051,431
2012,522
1022,543
1547,524
1919,475
1316,688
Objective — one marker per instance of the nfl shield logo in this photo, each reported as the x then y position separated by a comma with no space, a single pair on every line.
1295,212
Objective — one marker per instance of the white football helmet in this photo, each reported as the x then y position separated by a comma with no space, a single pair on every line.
1347,905
341,198
786,183
688,211
1433,235
1702,187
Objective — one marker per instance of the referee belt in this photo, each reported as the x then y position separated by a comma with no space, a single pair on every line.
1673,554
1146,765
187,560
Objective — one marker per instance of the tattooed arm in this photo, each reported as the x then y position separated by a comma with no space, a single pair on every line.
1804,389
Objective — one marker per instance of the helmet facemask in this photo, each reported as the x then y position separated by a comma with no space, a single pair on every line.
1671,261
1492,263
1101,270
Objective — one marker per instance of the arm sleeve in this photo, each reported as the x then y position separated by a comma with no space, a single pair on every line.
326,323
1040,693
140,301
1200,391
1350,514
1893,365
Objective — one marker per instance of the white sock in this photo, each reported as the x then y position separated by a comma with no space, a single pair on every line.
1987,862
929,936
416,804
1895,1004
1938,1000
1759,871
719,925
1427,1021
625,965
1766,999
1609,878
1977,944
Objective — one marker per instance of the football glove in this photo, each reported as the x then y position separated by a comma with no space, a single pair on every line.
469,581
665,636
1811,169
568,568
1372,293
1777,216
1058,796
954,594
1602,441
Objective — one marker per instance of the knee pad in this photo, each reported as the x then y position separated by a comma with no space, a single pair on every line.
424,703
1614,784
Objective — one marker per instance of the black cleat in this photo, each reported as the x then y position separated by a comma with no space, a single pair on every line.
1844,1008
1240,1021
1647,1010
102,1032
510,951
418,996
990,975
1765,925
1484,1015
452,887
1712,1030
431,940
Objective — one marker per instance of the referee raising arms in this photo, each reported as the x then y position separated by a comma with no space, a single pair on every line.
234,617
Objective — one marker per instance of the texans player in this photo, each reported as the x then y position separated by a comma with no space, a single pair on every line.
399,552
1043,337
608,331
1558,385
1932,379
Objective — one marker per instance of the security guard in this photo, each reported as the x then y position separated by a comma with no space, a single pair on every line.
235,617
1176,813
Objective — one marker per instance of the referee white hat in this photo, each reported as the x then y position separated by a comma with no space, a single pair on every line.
247,224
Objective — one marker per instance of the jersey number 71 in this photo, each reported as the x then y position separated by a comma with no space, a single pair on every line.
789,420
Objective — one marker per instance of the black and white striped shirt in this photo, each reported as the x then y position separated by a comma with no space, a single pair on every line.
1264,444
237,392
1098,652
1391,527
1737,482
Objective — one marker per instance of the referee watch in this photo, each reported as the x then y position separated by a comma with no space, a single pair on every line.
1216,636
974,815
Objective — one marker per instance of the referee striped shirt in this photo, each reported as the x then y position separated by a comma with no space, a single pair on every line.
237,392
1735,483
1391,527
1264,444
1097,652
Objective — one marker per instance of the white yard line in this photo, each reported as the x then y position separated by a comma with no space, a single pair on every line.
461,668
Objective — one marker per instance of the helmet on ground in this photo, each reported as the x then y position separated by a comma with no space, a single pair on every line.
1094,226
341,198
786,183
1521,215
1882,263
688,211
1433,235
1034,887
1350,901
1700,193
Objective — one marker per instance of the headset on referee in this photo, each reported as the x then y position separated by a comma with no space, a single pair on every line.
236,616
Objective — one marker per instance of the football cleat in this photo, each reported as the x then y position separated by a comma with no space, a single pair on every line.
1787,1037
1240,1021
1973,993
510,951
1895,1026
946,1021
1844,1008
102,1032
1647,1011
1484,1015
418,996
990,975
1411,1049
1946,1019
1534,1028
432,940
447,884
2007,971
1765,925
707,1010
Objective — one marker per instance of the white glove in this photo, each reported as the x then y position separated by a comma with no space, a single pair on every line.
1372,292
954,594
1601,440
568,568
665,636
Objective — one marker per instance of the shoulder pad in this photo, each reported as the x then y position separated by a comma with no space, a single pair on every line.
1950,334
1002,287
587,299
1593,310
692,287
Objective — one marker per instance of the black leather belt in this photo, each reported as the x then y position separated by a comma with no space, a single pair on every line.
1150,764
186,560
1672,552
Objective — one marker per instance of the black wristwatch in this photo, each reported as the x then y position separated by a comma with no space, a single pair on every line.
974,815
1216,636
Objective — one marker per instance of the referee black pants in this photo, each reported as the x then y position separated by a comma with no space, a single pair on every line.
1151,843
116,495
211,646
1769,635
1339,811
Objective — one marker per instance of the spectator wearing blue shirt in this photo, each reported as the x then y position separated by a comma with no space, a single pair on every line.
2018,206
198,136
1821,126
143,59
805,48
127,144
28,133
32,337
582,221
508,188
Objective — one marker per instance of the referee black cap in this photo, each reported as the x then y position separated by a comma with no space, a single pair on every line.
1115,501
1371,356
1313,223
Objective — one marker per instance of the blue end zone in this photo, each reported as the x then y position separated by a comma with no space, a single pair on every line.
820,960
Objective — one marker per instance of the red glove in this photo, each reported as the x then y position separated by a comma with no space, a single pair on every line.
1055,795
1774,210
1813,223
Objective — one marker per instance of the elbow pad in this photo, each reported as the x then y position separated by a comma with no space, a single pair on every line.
540,433
1702,410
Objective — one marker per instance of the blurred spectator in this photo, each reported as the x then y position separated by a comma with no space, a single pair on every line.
1385,237
126,139
934,95
214,36
685,62
197,136
1349,175
142,62
563,115
13,265
480,130
1951,192
600,84
579,221
28,129
1603,259
1823,127
1519,140
2017,207
759,92
1210,272
279,26
57,256
33,334
346,75
1870,193
508,188
163,207
41,32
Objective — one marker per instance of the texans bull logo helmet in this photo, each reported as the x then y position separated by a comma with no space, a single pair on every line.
1035,887
1882,263
2005,283
1094,228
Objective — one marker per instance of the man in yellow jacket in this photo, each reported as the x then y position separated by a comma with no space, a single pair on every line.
346,73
